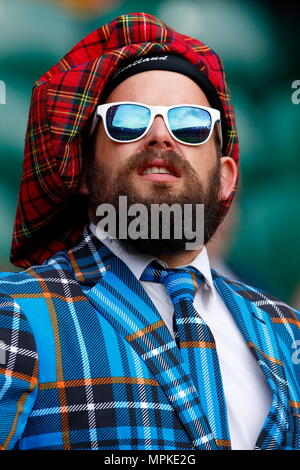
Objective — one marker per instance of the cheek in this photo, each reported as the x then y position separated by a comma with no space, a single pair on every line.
113,154
202,162
107,153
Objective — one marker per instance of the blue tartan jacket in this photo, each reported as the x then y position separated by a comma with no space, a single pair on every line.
90,364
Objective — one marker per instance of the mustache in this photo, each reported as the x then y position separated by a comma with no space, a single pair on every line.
169,157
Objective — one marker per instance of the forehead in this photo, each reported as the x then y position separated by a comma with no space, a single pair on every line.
159,87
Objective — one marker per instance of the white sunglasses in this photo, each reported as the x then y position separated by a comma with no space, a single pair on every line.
127,121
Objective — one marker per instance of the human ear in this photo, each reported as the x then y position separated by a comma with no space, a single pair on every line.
228,177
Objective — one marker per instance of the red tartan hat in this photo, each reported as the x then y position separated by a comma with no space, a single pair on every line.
50,215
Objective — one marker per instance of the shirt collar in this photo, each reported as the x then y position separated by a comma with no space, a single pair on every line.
138,262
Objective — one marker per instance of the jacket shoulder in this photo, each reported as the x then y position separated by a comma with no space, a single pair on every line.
264,300
59,262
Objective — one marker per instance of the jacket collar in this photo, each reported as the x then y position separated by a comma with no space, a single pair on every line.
90,259
138,262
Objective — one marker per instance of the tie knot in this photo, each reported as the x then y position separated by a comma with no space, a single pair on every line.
179,282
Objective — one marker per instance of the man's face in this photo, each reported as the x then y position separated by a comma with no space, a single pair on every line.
119,168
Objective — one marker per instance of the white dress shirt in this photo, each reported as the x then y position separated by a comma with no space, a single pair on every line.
247,393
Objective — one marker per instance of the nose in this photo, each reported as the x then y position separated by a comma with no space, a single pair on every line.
158,135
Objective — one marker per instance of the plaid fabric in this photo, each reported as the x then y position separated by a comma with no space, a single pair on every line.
197,344
18,370
49,216
109,374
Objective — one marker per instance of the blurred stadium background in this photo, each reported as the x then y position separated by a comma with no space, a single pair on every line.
259,46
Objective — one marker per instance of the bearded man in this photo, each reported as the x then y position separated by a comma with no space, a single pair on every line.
128,342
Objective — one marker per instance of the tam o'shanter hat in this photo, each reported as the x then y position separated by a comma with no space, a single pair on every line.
50,215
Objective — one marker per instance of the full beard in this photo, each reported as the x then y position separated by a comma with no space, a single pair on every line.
104,187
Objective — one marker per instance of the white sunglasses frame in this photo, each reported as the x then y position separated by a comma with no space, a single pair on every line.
101,111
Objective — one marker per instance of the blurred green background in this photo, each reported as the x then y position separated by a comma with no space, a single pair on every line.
258,45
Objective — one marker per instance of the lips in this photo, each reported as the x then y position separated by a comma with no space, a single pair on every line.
157,166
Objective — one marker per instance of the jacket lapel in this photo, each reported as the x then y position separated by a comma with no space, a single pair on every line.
255,323
116,293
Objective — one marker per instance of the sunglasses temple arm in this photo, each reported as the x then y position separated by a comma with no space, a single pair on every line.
219,130
94,124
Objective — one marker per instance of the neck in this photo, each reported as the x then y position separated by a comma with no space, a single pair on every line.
178,259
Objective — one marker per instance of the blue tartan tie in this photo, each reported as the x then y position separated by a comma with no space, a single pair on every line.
196,343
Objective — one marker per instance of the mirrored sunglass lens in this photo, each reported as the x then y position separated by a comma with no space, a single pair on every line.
190,125
127,121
